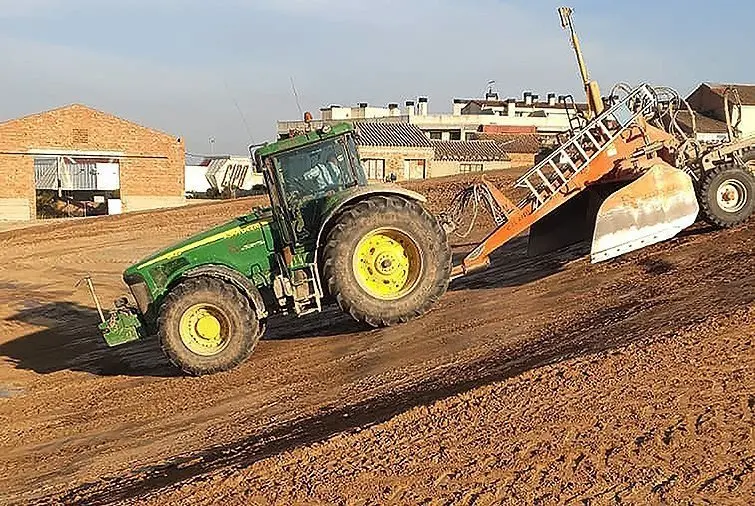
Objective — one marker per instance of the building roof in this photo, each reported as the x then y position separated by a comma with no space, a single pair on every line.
469,151
514,143
703,124
391,135
746,91
79,107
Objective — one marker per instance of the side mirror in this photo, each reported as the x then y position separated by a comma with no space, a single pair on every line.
256,168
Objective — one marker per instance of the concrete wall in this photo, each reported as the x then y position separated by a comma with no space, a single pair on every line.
151,162
450,168
556,121
522,159
394,157
747,126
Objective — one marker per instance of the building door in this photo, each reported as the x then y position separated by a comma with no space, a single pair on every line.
414,169
375,168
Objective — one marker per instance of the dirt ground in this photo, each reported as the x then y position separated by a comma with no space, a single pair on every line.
539,381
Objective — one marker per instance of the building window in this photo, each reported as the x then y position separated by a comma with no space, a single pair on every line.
375,168
436,136
465,168
469,136
454,135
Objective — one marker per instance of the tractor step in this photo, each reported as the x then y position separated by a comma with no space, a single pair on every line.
307,292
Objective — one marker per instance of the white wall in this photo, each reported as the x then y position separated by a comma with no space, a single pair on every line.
16,209
747,126
195,180
551,123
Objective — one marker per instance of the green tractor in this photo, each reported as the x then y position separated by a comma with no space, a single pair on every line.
327,238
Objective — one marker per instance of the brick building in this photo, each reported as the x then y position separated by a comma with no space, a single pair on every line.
522,148
81,154
394,148
708,101
405,150
461,157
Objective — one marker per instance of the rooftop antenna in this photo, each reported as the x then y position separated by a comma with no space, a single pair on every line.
296,97
243,118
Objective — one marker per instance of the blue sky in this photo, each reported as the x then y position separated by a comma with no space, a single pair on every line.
183,65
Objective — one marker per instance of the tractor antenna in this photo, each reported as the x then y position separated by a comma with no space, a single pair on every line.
296,96
241,113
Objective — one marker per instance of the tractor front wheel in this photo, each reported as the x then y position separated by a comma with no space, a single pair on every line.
206,326
386,261
727,196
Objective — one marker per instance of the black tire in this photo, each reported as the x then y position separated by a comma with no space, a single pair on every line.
741,182
240,329
428,241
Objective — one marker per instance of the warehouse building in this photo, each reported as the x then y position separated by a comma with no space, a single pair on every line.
79,161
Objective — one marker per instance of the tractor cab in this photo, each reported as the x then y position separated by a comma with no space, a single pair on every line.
306,174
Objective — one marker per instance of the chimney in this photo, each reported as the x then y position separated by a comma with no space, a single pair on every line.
527,98
410,108
551,99
393,109
511,107
459,105
535,98
422,106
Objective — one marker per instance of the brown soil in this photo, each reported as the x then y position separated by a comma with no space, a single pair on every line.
543,381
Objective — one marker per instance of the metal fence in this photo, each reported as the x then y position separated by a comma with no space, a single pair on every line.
63,174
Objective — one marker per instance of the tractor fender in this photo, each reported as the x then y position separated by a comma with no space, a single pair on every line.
357,195
235,278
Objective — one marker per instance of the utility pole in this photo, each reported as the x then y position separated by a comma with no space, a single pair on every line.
212,145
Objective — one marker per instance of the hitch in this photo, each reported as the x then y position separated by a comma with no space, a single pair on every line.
122,325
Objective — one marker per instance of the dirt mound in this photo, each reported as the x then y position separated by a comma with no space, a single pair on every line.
667,422
629,379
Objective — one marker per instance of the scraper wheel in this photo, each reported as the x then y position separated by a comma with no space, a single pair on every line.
727,196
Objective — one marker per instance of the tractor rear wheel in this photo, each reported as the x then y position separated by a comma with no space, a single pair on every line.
727,196
386,261
207,326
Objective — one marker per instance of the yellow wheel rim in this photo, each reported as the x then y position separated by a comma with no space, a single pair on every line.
387,264
204,329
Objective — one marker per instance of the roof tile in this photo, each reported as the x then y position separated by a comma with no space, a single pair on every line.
471,151
514,143
703,124
746,91
391,135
